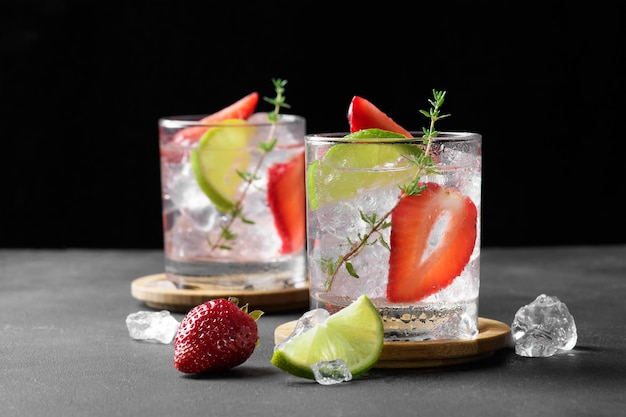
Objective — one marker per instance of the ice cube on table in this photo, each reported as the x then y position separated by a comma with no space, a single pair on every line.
307,321
151,326
331,372
543,327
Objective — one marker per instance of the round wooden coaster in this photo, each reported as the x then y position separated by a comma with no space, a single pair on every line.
493,335
157,293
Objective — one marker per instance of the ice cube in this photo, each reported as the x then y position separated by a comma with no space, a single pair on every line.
191,200
150,326
307,321
543,327
331,372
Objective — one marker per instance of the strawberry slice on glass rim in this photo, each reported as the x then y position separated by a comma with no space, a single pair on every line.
363,114
421,264
242,109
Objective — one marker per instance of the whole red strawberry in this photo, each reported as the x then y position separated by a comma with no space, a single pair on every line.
214,336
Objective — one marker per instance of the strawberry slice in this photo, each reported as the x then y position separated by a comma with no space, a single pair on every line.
362,114
241,109
285,195
418,267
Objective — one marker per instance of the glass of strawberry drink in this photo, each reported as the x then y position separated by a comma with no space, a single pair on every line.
233,198
395,216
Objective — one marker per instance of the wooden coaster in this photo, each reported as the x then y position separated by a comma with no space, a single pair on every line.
156,293
493,335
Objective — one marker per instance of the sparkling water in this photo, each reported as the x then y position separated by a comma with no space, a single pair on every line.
192,224
450,313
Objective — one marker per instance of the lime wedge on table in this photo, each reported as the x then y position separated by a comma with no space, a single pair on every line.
354,334
218,159
348,170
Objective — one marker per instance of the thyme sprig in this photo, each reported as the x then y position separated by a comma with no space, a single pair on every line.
425,166
227,237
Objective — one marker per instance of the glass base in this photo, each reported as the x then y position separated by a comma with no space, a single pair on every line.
285,272
420,321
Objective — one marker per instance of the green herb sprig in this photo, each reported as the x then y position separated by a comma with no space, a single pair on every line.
227,237
425,166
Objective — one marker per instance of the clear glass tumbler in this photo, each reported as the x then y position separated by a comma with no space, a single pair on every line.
233,202
382,222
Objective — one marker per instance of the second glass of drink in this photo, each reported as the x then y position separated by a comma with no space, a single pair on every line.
233,202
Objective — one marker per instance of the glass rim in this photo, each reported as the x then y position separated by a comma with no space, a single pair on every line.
191,120
444,136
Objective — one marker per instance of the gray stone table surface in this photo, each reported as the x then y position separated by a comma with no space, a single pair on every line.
65,350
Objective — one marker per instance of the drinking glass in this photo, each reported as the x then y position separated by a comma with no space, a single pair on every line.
381,223
233,202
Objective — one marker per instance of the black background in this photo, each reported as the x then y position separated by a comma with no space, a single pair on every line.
82,84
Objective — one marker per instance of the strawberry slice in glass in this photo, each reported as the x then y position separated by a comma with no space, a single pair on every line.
420,263
285,196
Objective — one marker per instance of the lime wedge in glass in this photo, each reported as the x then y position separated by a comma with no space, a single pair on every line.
218,160
354,334
348,170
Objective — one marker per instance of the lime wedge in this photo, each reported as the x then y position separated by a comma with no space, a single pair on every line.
218,160
354,334
348,170
374,133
